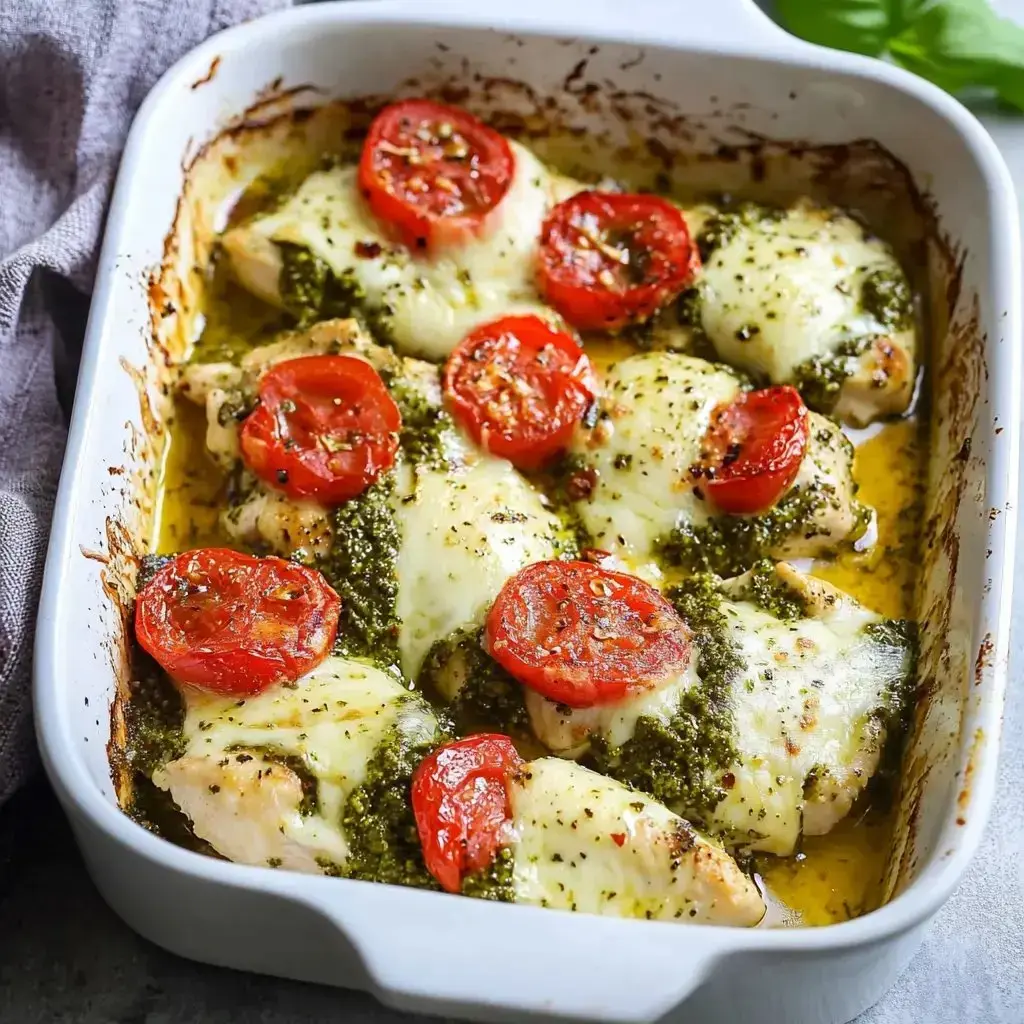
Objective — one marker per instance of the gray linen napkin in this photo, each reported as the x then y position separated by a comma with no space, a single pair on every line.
72,75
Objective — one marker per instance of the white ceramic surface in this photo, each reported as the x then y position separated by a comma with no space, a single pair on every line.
420,950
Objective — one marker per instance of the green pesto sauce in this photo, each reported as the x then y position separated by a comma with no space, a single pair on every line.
886,295
311,291
154,717
820,378
566,484
772,594
729,545
362,568
495,882
722,227
677,763
489,697
424,424
378,819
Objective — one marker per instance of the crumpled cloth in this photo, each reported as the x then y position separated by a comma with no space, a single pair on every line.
72,75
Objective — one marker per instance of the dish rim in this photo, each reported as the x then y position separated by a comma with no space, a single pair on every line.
757,37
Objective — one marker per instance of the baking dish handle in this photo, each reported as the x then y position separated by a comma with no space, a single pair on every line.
690,22
693,22
467,965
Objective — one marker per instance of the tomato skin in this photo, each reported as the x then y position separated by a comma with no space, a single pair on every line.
236,624
433,173
461,805
753,449
583,635
582,245
520,387
325,428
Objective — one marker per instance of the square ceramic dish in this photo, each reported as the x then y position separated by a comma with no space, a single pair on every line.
751,106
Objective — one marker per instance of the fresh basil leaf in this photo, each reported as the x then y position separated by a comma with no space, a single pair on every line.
959,44
864,26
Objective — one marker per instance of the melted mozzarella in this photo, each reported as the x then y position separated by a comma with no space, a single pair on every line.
242,797
805,716
586,843
655,412
782,290
430,302
566,731
464,531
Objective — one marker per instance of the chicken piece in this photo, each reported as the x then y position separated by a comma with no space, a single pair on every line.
806,295
265,519
265,779
426,302
637,459
261,516
248,809
464,529
586,843
800,681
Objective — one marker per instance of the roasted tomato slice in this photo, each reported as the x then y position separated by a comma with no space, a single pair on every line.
433,173
325,428
609,259
583,636
460,801
519,387
234,624
753,449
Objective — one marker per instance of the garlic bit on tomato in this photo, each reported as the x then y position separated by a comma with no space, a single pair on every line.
433,173
753,449
325,428
236,624
520,387
610,259
583,636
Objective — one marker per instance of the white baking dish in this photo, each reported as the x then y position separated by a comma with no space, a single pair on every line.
735,76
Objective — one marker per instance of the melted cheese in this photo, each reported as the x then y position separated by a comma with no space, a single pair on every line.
430,302
805,726
464,532
245,803
566,731
785,289
586,843
656,410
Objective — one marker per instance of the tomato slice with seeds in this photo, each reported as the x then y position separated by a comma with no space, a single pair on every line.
325,428
753,449
235,624
520,387
609,259
433,173
461,805
584,636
